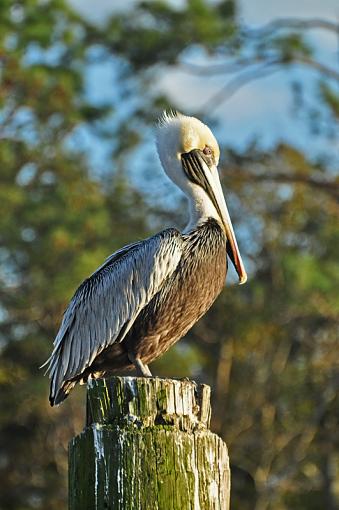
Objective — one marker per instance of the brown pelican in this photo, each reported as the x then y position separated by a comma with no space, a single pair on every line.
147,295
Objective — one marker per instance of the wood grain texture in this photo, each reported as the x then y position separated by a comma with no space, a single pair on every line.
147,446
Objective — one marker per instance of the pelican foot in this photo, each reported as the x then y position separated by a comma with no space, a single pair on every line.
141,368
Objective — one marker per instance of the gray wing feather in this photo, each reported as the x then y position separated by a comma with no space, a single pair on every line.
105,305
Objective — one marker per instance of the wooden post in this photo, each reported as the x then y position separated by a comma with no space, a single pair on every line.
147,446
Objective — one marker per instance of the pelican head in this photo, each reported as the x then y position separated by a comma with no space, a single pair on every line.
189,154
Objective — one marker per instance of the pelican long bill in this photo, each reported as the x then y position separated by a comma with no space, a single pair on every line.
201,170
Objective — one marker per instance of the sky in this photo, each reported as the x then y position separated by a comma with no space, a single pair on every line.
263,109
253,12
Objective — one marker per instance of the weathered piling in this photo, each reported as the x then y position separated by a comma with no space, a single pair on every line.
147,446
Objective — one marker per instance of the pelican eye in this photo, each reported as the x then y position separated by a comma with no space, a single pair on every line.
208,155
207,151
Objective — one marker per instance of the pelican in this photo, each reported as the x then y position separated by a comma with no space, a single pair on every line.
148,294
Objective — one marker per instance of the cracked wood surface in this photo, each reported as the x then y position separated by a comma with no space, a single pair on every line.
147,446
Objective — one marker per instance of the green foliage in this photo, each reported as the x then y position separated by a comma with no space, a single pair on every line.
155,32
291,46
57,224
331,97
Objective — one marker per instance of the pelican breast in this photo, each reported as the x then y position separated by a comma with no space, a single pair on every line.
186,295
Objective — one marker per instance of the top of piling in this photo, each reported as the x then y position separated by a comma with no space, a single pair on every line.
146,402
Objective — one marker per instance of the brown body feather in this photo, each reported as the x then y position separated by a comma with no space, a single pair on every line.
183,299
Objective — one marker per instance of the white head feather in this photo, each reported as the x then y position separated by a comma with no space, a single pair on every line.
178,134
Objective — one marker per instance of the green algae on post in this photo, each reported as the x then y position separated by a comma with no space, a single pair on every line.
147,446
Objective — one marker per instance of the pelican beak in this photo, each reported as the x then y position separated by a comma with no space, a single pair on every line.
201,171
218,199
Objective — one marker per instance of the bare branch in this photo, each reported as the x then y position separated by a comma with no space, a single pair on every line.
292,23
240,64
307,61
240,81
269,63
224,68
330,187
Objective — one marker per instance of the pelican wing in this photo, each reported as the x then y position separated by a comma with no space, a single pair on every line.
106,304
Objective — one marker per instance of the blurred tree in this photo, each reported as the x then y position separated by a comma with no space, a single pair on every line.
282,332
57,224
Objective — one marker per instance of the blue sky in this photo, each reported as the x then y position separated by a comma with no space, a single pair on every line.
263,109
252,11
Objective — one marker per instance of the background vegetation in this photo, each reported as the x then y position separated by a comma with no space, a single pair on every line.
269,349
